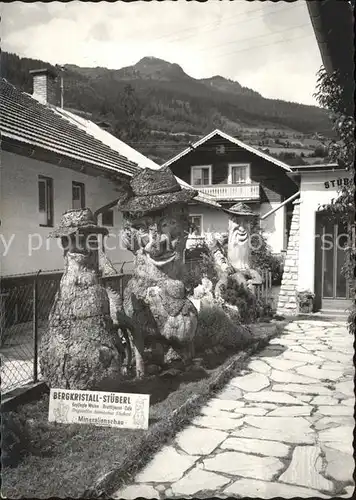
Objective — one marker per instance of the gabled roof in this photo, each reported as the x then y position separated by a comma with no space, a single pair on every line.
233,140
24,119
142,161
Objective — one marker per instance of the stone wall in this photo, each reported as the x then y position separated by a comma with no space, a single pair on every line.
287,299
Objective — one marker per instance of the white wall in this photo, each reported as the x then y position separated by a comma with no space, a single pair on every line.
29,248
274,226
313,194
214,219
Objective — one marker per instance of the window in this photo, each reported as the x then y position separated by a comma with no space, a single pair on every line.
107,218
201,176
45,201
196,225
78,195
239,174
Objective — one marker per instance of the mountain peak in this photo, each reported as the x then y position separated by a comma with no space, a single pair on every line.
154,68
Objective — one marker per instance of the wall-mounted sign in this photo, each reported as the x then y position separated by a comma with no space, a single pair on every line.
337,183
108,409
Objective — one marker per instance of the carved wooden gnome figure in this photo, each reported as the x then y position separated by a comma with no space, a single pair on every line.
80,349
156,229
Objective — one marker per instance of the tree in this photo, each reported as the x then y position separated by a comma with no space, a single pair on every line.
130,127
333,93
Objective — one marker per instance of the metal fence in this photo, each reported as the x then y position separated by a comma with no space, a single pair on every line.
25,304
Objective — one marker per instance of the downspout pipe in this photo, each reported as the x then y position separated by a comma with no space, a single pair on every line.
295,195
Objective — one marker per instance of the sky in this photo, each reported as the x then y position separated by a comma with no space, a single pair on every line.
267,46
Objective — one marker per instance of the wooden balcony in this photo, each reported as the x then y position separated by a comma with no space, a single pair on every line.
232,192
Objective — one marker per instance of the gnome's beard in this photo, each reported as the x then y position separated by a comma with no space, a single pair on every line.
238,247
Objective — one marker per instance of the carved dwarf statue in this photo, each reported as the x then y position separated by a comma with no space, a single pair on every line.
80,349
155,230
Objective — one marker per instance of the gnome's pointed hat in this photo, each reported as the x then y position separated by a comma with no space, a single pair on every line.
153,190
74,220
240,209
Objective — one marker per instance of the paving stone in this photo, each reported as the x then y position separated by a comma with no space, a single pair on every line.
336,410
242,464
323,400
253,488
167,466
300,356
293,327
306,389
298,348
259,366
160,487
253,382
350,492
200,441
230,393
335,356
340,466
291,411
223,423
267,406
336,421
305,468
318,373
272,397
304,398
136,491
258,446
284,364
327,365
224,405
346,388
208,411
198,480
309,324
338,438
315,347
279,423
349,402
251,411
286,341
287,377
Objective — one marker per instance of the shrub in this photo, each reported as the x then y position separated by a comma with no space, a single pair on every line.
264,259
238,295
195,270
219,327
15,439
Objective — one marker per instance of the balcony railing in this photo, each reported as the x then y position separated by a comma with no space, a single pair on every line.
232,191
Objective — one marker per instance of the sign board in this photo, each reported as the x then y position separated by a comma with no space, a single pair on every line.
108,409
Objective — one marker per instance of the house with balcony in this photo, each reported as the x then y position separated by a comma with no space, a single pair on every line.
231,171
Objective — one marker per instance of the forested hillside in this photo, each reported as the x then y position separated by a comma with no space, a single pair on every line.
157,108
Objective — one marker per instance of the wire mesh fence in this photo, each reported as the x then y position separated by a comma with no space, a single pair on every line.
25,304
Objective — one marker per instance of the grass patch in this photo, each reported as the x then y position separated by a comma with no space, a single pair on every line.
87,461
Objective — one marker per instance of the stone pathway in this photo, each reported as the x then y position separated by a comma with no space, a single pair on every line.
283,428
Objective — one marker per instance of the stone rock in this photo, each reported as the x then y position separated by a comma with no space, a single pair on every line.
318,373
252,488
200,441
198,480
257,446
251,411
339,438
335,356
336,410
328,422
287,377
209,411
252,382
340,466
291,411
306,389
230,393
220,423
167,466
294,435
136,491
300,356
323,400
272,397
259,366
283,364
242,464
346,388
304,398
305,469
225,405
331,366
278,423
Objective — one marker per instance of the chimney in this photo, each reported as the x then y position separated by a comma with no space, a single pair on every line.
45,86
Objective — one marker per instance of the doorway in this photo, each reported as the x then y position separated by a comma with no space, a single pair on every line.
332,290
